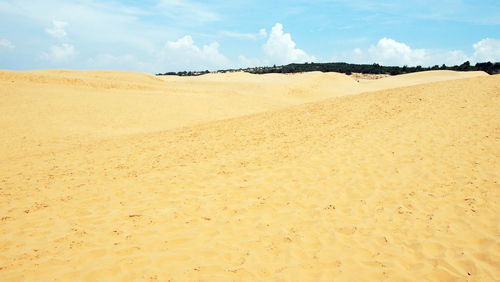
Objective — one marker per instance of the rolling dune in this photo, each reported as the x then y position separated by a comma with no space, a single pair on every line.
49,110
126,176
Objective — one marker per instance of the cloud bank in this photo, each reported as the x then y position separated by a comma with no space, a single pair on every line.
280,49
389,52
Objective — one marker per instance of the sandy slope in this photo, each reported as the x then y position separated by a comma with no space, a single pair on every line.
51,110
103,176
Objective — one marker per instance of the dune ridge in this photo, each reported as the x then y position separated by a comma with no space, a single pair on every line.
397,184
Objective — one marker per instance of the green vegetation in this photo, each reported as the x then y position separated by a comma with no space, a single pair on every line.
491,68
185,73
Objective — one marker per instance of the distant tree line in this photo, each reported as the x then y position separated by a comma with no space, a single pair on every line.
491,68
185,73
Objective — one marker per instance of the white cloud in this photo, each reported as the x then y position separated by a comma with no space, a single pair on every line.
57,29
183,54
6,43
253,36
486,50
449,58
59,53
280,48
390,52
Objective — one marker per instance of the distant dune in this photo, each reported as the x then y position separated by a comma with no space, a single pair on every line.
418,78
108,175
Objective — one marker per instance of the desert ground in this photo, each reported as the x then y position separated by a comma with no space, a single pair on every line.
108,175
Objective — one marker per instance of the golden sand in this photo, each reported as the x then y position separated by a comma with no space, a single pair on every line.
126,176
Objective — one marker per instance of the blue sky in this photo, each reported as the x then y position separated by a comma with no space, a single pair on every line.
173,35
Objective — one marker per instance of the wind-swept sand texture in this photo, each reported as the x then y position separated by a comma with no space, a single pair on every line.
122,176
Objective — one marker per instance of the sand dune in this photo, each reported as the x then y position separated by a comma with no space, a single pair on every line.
61,109
51,110
124,176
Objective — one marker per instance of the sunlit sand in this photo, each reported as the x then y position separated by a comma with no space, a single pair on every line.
108,175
